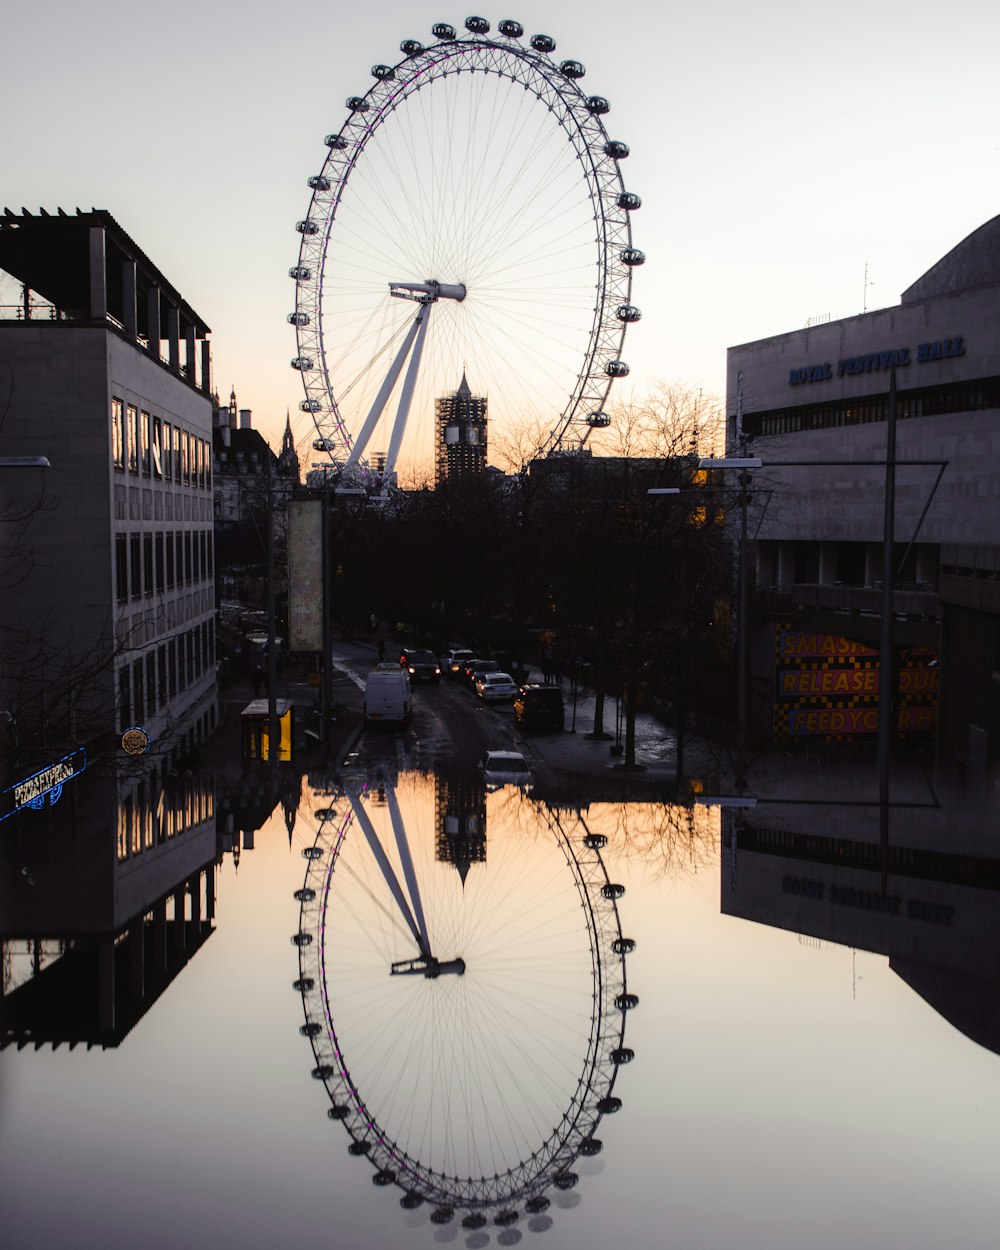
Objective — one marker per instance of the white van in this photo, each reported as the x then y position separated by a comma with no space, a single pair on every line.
388,696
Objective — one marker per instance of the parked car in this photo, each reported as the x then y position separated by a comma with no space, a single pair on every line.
505,768
540,707
495,687
421,665
476,668
454,661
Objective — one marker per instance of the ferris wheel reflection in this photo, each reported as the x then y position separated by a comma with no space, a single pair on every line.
463,995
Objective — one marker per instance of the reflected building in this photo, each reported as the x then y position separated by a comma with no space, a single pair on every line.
106,907
817,872
459,819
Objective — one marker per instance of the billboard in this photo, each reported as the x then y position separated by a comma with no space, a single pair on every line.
827,686
305,575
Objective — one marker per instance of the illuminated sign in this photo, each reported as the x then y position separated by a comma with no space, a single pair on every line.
874,362
828,686
44,786
135,741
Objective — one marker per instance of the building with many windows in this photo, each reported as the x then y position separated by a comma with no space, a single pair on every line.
108,576
461,435
814,406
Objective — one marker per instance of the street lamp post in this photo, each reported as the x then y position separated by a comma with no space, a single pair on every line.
743,464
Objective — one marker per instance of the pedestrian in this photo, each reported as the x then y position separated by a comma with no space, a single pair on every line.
258,681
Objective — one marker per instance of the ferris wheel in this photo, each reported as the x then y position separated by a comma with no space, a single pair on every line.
467,1015
469,224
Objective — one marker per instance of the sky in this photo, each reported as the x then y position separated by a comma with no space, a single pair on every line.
780,150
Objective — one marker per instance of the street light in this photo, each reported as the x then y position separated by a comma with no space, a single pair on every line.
24,462
743,464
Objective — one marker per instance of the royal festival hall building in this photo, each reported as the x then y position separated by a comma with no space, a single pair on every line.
822,395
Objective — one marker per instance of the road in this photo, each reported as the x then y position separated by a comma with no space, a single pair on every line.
451,726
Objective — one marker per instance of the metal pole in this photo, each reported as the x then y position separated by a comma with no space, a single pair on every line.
273,735
742,641
326,674
887,678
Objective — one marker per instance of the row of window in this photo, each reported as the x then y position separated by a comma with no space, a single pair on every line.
158,812
930,402
181,558
148,446
145,685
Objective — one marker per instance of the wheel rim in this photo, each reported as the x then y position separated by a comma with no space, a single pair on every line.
541,257
418,1065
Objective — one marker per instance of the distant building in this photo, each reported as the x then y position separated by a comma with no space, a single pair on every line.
819,397
246,472
461,435
107,588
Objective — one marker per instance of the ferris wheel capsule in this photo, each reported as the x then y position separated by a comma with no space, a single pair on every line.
476,1220
513,30
336,142
298,319
411,47
307,226
318,182
598,105
442,1215
357,104
543,43
477,25
538,1204
628,313
302,363
443,31
310,405
616,369
632,256
616,149
572,69
301,273
383,72
383,1177
629,200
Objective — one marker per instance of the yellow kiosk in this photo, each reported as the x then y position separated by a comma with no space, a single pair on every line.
254,719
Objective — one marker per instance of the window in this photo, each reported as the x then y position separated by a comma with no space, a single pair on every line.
210,543
157,447
177,454
124,702
151,680
147,564
133,439
162,665
144,427
204,555
185,457
139,705
170,562
121,568
159,564
168,463
171,667
136,565
187,558
118,434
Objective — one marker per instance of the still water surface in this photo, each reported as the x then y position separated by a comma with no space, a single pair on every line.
789,1086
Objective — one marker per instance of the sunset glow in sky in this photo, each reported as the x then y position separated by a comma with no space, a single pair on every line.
778,149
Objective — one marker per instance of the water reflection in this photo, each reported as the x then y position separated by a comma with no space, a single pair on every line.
114,897
462,971
817,871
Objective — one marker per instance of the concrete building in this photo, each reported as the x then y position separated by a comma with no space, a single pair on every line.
461,435
108,580
822,395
